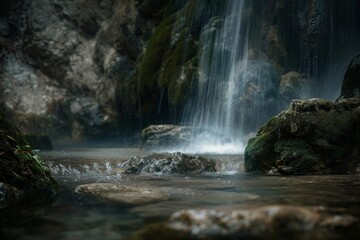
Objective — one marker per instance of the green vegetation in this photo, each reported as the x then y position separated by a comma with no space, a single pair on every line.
151,62
167,69
20,165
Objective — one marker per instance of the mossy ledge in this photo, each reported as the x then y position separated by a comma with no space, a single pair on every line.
313,136
21,167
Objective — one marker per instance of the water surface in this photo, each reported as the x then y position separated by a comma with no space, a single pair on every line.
74,216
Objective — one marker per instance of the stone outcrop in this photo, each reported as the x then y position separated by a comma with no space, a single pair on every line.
167,163
132,63
60,55
313,136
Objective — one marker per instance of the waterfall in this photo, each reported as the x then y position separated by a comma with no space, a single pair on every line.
223,51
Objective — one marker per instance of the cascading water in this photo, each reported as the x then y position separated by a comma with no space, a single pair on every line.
254,57
228,84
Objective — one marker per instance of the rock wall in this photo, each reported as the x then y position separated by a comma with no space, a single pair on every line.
308,43
81,69
62,60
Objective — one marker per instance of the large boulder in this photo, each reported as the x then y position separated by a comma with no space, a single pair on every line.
351,83
313,136
168,163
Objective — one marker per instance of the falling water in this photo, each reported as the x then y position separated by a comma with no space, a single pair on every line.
223,50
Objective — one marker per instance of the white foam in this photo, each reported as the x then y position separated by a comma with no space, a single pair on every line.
210,148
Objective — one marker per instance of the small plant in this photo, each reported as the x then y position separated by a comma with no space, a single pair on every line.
20,165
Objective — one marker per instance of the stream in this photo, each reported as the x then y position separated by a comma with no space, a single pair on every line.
75,216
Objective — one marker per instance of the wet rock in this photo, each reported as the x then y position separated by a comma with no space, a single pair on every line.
58,50
123,194
264,220
168,136
291,85
286,170
257,95
313,136
8,195
168,163
86,117
311,105
351,83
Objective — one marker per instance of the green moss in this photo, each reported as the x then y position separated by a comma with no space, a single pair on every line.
176,74
167,70
152,61
259,153
272,126
298,154
338,129
167,67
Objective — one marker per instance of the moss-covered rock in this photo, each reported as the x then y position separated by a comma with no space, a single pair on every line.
313,136
351,84
20,166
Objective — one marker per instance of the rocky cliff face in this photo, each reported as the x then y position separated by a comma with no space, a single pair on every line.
62,60
308,44
83,68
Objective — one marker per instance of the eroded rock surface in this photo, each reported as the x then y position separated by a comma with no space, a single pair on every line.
52,51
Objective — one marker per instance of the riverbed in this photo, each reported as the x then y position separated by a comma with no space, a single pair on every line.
78,216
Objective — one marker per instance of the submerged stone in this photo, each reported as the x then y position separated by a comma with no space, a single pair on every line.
168,163
263,220
313,136
123,194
